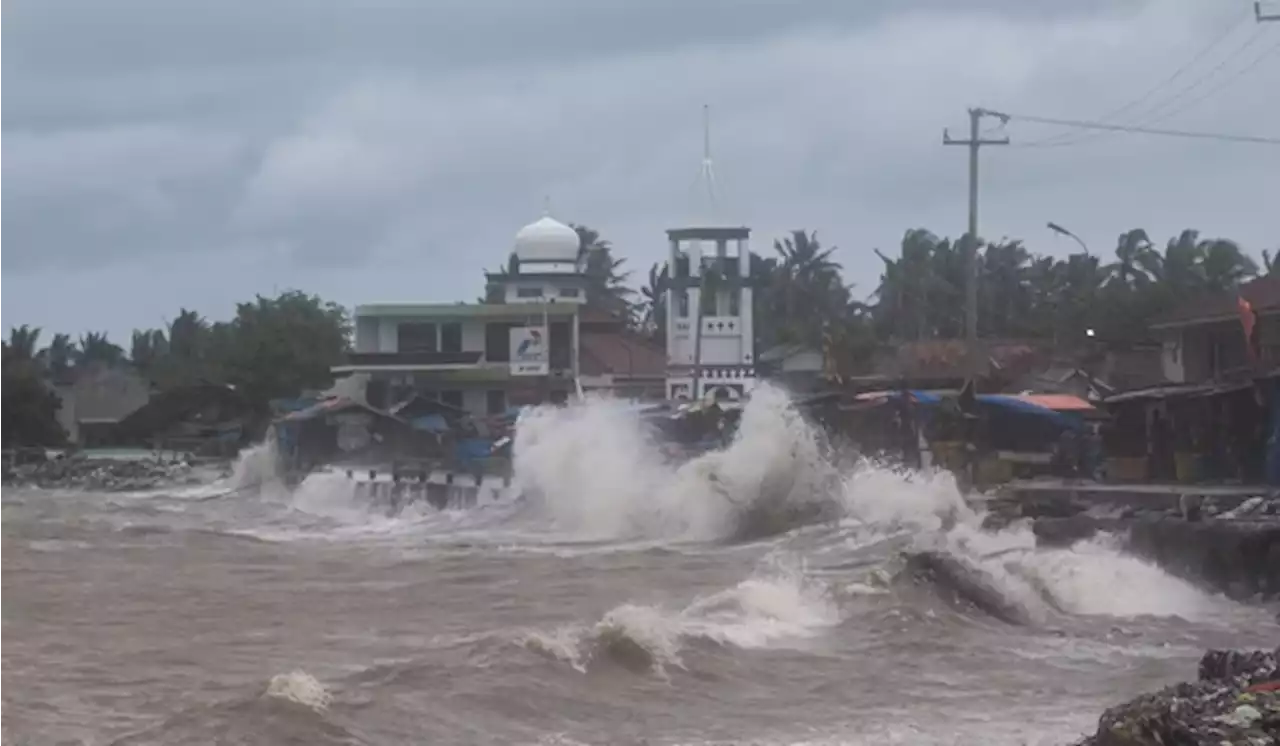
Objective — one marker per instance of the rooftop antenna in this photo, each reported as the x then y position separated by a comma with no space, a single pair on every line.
706,174
546,205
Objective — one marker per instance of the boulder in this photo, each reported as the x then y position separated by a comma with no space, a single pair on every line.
1234,701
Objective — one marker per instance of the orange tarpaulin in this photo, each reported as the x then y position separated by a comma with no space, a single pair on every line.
1248,319
1056,402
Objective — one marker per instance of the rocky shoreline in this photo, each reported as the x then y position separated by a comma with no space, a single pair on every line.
102,475
1234,701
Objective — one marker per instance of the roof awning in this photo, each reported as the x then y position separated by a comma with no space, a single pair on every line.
1056,402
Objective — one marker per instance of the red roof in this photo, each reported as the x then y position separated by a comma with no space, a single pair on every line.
1262,293
622,354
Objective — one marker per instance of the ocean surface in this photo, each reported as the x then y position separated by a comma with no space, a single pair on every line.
757,595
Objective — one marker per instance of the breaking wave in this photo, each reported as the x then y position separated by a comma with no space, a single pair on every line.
596,470
593,470
779,609
292,708
593,474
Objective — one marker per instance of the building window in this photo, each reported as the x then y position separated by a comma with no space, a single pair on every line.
528,292
682,304
451,398
497,342
416,337
570,292
682,264
735,301
496,401
451,337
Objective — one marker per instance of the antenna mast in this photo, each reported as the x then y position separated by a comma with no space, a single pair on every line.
707,174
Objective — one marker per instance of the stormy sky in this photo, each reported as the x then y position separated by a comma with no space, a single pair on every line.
160,154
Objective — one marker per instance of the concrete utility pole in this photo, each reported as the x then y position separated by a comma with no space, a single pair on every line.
974,143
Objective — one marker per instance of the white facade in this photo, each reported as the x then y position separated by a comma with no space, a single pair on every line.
710,328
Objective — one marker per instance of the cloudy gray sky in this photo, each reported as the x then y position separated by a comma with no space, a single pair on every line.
169,153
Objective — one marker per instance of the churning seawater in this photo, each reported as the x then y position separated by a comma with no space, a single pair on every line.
756,595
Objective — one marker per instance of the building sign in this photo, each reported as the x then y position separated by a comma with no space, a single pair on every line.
529,351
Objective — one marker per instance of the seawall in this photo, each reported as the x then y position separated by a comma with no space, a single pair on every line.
1225,540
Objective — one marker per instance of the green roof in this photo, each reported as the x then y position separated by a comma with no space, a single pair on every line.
466,310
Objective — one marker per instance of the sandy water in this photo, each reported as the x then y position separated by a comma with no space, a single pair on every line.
623,601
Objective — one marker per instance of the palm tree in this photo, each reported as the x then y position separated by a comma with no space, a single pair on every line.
606,281
188,335
95,349
654,305
59,355
809,284
147,348
23,342
1134,254
1223,265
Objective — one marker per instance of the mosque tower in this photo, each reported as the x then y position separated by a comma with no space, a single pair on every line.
710,330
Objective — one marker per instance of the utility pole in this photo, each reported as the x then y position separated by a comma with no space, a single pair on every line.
1263,17
974,143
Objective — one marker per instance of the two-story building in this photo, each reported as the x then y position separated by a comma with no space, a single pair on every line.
539,343
1204,339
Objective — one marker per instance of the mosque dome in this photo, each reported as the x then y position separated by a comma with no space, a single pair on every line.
547,240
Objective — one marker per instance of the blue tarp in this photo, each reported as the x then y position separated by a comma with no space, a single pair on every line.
921,397
473,449
431,423
1026,407
1003,401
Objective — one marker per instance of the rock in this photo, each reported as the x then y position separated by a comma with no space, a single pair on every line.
103,475
1235,701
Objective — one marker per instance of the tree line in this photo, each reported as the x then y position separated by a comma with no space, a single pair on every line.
278,347
271,348
802,298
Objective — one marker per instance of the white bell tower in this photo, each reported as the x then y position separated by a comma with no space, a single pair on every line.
710,329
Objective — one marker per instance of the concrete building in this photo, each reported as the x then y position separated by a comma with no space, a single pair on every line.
539,344
96,399
710,324
1204,339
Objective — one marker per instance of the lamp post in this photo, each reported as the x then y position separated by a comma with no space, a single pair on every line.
1064,232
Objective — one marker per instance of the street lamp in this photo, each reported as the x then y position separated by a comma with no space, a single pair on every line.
1064,232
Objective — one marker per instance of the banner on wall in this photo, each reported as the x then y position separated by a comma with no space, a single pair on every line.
529,351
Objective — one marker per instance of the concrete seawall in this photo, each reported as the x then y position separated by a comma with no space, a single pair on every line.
1233,546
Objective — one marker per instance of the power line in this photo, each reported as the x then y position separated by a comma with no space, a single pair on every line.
1162,111
1237,20
1083,124
1240,74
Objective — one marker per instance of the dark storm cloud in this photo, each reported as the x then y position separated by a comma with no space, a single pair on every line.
307,135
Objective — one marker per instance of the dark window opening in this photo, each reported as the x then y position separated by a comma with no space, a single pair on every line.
496,401
497,342
416,337
451,337
682,264
528,292
682,304
561,343
451,398
570,292
735,301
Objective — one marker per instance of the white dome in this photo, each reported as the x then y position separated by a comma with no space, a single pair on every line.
547,240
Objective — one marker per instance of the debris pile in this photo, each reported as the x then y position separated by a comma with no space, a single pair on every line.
103,475
1235,701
